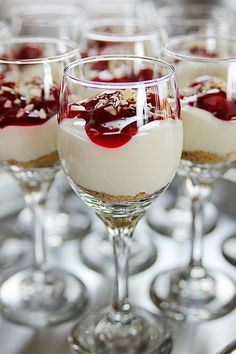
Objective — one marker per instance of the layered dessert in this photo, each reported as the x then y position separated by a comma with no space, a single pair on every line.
28,123
119,149
209,119
28,110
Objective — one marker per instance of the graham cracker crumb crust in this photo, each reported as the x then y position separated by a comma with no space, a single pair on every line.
206,157
42,161
116,198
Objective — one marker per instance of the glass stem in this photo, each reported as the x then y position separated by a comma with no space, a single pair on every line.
121,231
35,199
199,193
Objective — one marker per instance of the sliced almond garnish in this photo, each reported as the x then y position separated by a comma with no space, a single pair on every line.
17,101
29,107
42,114
7,104
6,88
20,113
75,107
111,110
128,94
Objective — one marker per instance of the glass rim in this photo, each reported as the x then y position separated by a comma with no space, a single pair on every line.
74,49
89,31
111,85
229,348
184,39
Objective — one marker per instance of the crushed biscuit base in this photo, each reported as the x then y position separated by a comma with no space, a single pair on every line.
206,157
42,161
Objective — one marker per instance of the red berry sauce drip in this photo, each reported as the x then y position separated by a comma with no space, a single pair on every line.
110,118
202,52
28,51
17,109
212,98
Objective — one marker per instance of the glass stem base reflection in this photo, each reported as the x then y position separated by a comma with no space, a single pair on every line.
96,253
229,249
40,298
141,333
171,217
12,249
193,296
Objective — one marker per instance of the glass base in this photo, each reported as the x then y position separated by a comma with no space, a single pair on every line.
229,250
193,299
85,338
67,224
14,245
12,250
172,217
39,299
96,253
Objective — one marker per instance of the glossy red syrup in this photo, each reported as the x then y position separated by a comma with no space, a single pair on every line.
214,100
111,120
28,51
202,52
18,110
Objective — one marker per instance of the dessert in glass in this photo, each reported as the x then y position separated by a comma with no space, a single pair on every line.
118,36
12,248
206,80
31,70
119,143
173,217
53,19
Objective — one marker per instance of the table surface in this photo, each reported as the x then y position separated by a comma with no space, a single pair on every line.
205,338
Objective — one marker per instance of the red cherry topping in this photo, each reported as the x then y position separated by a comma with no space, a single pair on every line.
111,118
202,52
209,93
28,51
28,104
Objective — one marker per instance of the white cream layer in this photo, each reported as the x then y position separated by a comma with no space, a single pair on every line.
203,131
27,143
145,164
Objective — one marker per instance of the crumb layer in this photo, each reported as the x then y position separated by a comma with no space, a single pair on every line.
116,198
203,157
42,161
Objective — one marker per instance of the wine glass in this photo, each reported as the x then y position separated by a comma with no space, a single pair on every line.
31,70
64,222
205,71
118,36
119,142
174,218
12,248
